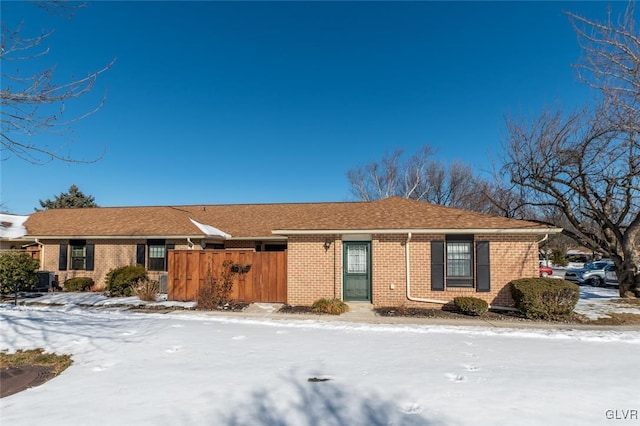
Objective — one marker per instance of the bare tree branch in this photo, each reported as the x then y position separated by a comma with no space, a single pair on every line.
34,105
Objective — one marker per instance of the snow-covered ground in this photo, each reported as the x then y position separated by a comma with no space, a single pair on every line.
594,303
597,302
191,368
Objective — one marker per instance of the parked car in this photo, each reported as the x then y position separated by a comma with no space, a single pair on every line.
610,276
592,273
545,271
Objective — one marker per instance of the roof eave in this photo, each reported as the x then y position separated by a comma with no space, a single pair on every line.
524,231
114,237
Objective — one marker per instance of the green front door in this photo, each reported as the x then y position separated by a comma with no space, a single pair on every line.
357,271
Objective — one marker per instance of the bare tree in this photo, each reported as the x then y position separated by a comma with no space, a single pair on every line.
377,180
35,104
582,172
611,63
421,178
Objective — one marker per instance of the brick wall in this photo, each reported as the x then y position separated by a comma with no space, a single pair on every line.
511,257
314,272
108,254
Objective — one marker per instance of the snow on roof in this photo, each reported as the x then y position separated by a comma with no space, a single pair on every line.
12,225
210,230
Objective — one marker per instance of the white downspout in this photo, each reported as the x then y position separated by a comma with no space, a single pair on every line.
41,253
190,243
441,302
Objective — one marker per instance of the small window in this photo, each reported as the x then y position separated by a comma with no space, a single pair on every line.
356,259
459,261
79,257
157,257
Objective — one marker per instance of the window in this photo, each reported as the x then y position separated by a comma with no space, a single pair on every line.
275,247
81,256
153,254
157,255
459,261
356,259
78,255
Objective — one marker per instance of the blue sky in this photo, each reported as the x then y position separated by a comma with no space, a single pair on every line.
216,102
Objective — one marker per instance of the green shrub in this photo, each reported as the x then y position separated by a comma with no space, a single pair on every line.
471,305
120,280
544,298
17,268
146,290
329,306
78,284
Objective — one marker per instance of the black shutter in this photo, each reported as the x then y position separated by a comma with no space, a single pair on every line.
89,260
166,255
62,259
141,250
437,265
483,269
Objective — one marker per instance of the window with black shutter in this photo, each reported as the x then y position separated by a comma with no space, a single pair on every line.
483,270
437,265
62,257
459,261
157,255
78,255
141,250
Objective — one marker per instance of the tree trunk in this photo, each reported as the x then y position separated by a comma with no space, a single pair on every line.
628,279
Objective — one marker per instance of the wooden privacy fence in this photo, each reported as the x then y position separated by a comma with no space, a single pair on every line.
266,280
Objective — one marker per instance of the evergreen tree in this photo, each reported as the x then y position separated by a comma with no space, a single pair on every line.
74,199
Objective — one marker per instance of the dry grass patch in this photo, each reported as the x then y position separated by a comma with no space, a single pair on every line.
618,318
146,290
22,358
329,306
633,302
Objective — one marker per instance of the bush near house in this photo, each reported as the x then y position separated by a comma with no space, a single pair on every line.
121,280
78,284
17,268
329,306
544,298
471,305
146,290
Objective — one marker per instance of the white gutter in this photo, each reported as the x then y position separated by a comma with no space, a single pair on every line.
441,302
276,238
524,231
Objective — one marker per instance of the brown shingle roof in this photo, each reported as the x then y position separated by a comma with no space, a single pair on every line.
259,220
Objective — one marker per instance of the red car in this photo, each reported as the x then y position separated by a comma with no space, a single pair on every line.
545,271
